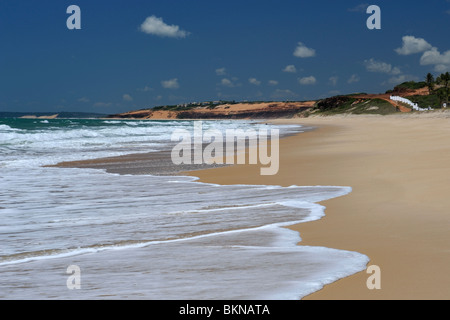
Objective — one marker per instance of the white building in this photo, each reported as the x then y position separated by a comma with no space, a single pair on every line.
413,105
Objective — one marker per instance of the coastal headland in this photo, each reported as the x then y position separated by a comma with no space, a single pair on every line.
396,161
356,103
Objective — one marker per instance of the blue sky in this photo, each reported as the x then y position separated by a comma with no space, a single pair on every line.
136,54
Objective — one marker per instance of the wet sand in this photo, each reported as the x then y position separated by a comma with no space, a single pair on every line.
399,211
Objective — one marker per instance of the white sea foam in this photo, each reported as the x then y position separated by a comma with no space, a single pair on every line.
44,228
69,140
175,237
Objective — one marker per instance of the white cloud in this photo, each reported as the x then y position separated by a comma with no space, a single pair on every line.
273,82
430,54
254,81
127,97
307,80
381,67
304,52
413,45
170,84
440,61
353,78
156,26
290,68
221,71
227,82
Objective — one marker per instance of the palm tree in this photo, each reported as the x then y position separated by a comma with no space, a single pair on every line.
430,83
440,93
445,79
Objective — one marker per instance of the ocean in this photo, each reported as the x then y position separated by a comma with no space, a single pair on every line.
143,236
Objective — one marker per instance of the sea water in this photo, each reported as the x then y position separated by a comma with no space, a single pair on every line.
144,236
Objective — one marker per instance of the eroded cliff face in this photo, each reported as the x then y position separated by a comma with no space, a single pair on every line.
223,111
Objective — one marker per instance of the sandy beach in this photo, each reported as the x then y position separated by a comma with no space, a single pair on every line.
398,213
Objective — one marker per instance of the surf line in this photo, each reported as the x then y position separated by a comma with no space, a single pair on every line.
190,148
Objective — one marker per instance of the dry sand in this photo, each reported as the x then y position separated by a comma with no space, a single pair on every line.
398,213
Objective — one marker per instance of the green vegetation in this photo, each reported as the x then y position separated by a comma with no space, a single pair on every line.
374,106
431,100
336,104
407,86
443,92
411,85
439,89
429,79
349,105
193,105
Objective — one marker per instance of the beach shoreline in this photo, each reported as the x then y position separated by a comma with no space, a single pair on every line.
396,166
397,211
